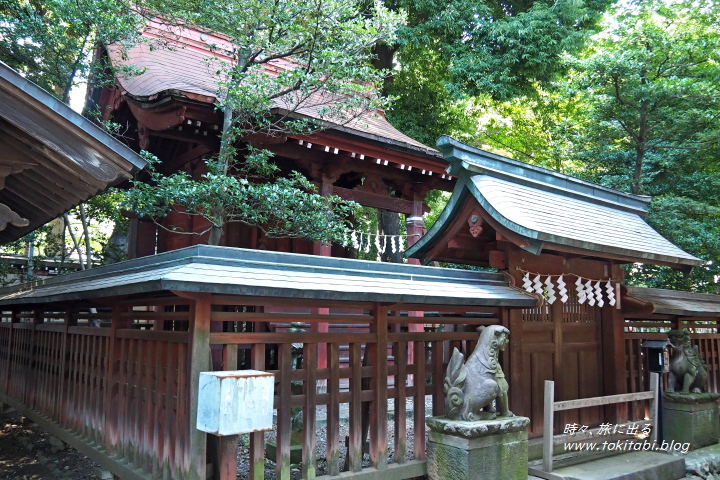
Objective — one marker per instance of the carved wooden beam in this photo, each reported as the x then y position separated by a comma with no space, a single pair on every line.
11,217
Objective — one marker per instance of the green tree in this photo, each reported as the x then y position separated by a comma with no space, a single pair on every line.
329,41
52,43
649,83
454,49
649,92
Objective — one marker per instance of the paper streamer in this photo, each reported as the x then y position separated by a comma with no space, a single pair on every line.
599,294
610,291
562,291
582,297
589,293
549,290
527,283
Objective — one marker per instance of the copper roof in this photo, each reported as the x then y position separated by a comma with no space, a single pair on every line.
550,210
676,302
256,273
188,61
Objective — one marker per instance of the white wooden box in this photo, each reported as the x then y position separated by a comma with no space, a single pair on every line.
234,402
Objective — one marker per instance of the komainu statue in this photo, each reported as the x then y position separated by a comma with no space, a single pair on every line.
477,389
688,372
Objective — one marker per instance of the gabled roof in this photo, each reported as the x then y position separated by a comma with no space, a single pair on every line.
51,158
675,302
188,61
235,271
550,210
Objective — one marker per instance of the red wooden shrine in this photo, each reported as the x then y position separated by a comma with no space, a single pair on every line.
170,111
124,392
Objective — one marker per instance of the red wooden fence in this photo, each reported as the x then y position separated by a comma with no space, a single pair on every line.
121,379
703,332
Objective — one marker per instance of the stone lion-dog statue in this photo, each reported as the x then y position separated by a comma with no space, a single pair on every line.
688,372
477,389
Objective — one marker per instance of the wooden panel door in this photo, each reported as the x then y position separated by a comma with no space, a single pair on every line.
562,342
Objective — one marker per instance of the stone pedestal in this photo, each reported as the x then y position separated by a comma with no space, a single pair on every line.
486,449
691,418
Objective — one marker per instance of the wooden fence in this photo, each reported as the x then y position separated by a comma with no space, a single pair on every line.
703,332
117,382
551,406
123,389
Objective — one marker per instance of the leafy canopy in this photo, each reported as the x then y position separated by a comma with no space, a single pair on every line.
638,111
452,52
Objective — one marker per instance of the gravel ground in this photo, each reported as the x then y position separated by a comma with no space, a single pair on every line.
27,452
321,467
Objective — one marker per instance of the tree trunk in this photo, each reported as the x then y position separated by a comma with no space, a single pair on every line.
75,241
389,224
86,232
384,56
215,235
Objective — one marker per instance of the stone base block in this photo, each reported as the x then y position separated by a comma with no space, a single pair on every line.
295,452
490,449
691,418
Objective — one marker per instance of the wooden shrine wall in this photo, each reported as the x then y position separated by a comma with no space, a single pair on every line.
123,388
562,342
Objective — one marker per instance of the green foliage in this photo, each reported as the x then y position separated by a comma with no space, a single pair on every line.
51,42
281,207
436,201
330,41
649,83
452,52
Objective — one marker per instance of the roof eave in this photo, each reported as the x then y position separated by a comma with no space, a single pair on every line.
61,114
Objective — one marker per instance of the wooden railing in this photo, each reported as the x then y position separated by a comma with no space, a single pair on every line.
551,406
365,385
365,369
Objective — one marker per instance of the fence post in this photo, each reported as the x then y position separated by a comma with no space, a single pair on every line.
548,421
199,359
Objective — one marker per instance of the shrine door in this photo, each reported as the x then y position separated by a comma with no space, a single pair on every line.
562,342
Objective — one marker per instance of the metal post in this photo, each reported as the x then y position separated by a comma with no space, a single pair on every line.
656,407
548,422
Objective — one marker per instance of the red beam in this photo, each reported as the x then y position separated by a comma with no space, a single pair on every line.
368,199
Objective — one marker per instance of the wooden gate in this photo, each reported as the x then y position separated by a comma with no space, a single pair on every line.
562,343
